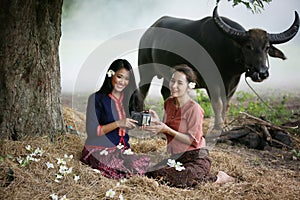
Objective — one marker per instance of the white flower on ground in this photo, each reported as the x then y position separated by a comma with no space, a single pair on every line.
62,169
32,154
69,171
60,161
32,158
110,73
28,148
171,162
96,170
123,180
54,196
128,152
104,152
110,193
121,197
192,85
64,198
20,160
29,157
58,176
76,178
120,146
49,165
36,159
70,157
26,161
65,170
38,152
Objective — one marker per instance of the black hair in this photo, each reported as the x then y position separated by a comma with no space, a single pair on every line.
132,100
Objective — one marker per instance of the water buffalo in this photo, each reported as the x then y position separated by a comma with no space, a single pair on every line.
217,48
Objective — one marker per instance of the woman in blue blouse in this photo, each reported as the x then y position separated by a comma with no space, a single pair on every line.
107,121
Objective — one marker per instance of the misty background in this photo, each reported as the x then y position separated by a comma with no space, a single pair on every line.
90,27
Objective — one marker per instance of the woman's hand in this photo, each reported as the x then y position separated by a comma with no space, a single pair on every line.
154,116
155,127
126,123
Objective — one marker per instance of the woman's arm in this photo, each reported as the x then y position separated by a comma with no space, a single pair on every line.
123,123
160,127
97,110
177,135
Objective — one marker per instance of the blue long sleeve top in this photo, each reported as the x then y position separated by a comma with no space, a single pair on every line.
101,110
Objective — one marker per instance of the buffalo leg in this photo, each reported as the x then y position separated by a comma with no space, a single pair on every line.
165,91
146,76
144,88
217,105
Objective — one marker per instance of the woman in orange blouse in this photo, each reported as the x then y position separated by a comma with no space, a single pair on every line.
189,163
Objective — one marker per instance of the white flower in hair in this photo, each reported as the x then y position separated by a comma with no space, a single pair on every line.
192,85
110,73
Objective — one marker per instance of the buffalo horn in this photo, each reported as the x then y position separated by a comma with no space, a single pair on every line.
286,35
232,32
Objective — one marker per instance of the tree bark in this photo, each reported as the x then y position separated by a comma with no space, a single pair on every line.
30,103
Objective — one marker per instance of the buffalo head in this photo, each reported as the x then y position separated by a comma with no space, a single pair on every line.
256,44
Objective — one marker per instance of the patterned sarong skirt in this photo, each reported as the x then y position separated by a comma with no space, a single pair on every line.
197,166
113,162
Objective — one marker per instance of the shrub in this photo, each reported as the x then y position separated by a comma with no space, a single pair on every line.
203,99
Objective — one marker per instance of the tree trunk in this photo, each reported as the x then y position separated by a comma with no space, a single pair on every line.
30,103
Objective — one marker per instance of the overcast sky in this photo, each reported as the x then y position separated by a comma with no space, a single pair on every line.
93,27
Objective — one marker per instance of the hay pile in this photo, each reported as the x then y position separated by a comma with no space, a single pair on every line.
74,119
257,179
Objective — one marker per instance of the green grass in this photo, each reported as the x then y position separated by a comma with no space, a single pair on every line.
156,104
203,100
274,109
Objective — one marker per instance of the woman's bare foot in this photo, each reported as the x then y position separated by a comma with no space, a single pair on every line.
222,177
